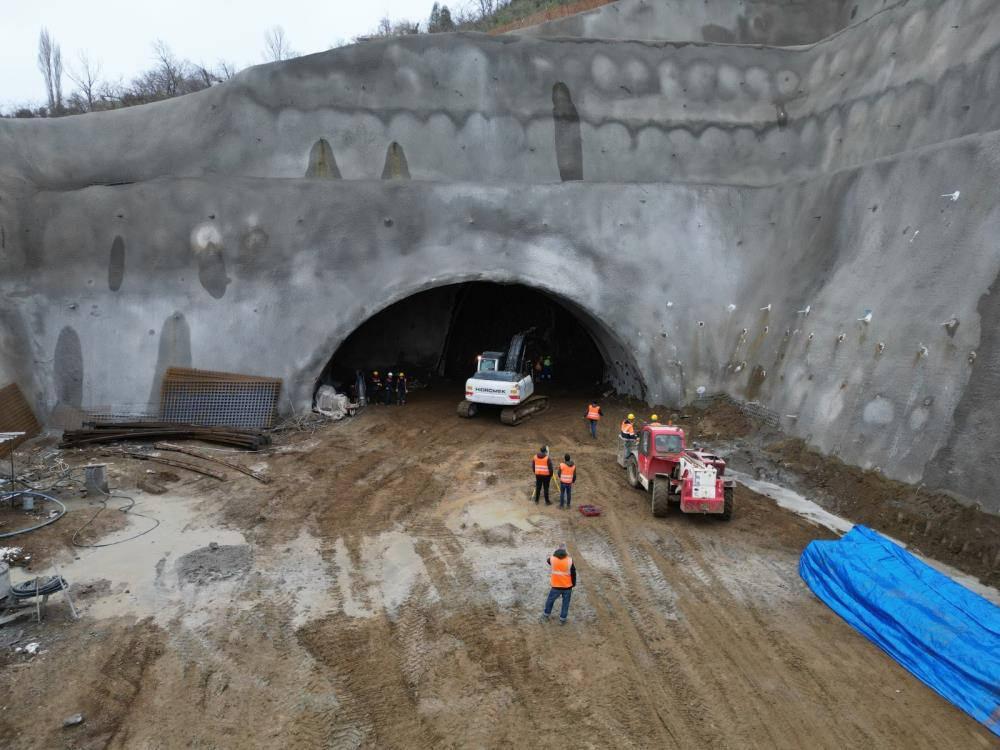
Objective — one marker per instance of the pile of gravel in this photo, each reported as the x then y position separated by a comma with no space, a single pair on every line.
214,563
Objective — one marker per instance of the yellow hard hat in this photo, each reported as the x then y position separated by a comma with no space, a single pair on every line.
655,417
401,374
631,416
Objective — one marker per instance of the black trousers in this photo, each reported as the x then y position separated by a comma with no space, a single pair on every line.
542,483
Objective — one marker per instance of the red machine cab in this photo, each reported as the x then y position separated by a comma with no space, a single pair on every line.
661,463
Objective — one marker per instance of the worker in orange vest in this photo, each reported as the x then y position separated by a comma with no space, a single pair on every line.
628,428
562,579
567,478
594,415
627,438
541,465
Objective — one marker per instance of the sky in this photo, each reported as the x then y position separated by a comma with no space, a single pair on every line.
120,33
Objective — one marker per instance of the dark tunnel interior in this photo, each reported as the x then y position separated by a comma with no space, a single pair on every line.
437,334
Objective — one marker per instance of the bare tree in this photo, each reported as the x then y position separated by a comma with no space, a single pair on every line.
50,65
276,45
388,28
169,70
86,75
57,74
226,70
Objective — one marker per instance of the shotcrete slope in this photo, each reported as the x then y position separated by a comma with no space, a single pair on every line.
160,235
772,22
485,109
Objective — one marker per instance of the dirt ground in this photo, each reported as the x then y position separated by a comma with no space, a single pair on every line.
384,591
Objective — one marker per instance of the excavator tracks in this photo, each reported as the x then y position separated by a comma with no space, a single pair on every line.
513,415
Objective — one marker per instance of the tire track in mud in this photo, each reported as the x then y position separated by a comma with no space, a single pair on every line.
653,646
307,704
675,691
376,704
712,610
677,645
717,606
123,675
781,646
503,670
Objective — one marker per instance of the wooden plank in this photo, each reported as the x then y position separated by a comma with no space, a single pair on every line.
16,416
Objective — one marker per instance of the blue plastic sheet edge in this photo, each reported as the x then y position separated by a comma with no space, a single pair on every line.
945,635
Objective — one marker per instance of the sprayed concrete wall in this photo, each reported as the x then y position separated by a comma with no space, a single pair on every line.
508,109
254,226
770,22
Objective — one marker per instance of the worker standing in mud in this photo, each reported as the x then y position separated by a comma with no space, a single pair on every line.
541,465
594,415
375,387
567,478
401,388
562,579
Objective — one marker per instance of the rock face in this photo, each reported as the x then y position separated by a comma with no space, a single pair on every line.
812,227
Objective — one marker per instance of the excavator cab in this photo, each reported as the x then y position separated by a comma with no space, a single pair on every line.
489,361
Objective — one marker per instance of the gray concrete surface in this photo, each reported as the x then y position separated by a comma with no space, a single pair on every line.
771,22
254,226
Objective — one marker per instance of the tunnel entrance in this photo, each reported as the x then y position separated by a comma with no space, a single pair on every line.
437,334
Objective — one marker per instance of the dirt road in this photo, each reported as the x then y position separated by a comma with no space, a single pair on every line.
397,575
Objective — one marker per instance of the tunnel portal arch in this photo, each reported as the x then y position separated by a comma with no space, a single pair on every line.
441,303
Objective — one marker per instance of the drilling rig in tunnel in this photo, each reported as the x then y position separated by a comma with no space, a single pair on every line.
505,381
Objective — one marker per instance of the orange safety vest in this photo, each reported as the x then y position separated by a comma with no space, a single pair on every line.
627,427
566,473
561,577
593,412
542,466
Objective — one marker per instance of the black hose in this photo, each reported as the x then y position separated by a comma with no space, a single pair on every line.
12,495
124,509
39,587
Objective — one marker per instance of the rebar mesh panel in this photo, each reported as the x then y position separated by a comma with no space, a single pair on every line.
113,413
16,416
219,398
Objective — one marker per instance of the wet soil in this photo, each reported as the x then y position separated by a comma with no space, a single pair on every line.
392,601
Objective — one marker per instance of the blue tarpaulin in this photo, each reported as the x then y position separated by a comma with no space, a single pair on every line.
946,635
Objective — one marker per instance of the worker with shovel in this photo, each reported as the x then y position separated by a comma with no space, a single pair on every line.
562,579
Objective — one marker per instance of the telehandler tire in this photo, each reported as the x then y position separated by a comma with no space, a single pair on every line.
632,473
661,497
727,503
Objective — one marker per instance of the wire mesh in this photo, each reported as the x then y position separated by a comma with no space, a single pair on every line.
219,399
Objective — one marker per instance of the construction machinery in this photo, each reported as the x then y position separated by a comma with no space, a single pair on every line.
504,380
660,463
